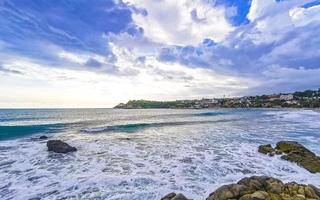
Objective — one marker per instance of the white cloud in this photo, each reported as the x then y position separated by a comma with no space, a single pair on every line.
181,22
50,86
80,58
157,79
271,20
277,50
72,57
261,9
303,16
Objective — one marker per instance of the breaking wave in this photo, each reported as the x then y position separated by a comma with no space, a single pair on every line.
130,128
208,114
10,132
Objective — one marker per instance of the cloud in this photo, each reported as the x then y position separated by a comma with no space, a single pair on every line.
132,78
121,50
181,22
8,71
303,16
72,57
279,79
76,25
276,36
153,71
91,62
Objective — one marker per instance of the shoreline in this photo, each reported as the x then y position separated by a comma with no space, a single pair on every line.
287,108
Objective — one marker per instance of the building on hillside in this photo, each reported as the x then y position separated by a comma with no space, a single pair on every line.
273,97
286,97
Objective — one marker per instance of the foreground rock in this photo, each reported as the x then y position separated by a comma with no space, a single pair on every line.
174,196
294,152
59,146
265,188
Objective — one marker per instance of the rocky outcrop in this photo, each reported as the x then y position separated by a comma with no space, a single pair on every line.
174,196
266,149
265,188
43,137
259,188
294,152
59,146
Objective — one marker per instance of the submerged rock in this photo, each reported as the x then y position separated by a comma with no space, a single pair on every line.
59,146
43,137
294,152
174,196
264,188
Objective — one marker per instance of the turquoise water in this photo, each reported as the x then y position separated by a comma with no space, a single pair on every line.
144,154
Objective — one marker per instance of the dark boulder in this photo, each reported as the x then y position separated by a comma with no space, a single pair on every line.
59,146
43,137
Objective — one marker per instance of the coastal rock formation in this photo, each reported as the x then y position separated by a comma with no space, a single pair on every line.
259,188
266,149
294,152
174,196
265,188
59,146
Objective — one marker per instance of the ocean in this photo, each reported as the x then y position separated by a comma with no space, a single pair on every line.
145,154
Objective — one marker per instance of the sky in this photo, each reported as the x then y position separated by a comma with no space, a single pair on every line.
98,53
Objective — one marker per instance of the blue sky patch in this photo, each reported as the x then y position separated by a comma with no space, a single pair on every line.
242,9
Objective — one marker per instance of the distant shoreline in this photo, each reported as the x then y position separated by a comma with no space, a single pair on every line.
305,99
301,108
314,109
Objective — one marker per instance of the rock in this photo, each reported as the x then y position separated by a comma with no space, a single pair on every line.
169,196
259,195
246,197
314,188
174,196
294,152
179,197
266,149
264,188
311,192
271,154
232,191
299,154
254,183
288,146
43,137
59,146
274,187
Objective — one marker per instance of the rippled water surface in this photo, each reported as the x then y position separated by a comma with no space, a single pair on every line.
144,154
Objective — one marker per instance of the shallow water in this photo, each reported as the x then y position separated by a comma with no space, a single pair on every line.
144,154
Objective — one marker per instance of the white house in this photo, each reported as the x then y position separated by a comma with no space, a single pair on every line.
286,97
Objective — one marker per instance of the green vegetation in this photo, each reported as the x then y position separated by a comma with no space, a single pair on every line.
305,99
156,104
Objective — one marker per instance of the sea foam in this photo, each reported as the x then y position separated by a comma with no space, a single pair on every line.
166,155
